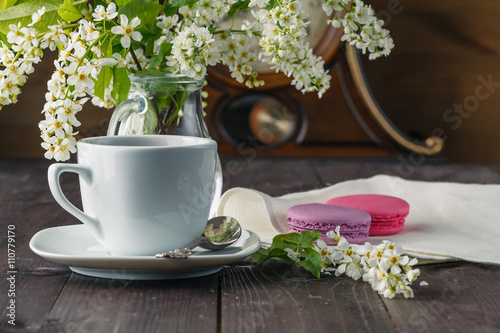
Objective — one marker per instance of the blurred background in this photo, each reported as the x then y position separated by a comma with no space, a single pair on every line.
442,79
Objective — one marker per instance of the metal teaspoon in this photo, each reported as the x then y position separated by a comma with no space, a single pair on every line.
220,232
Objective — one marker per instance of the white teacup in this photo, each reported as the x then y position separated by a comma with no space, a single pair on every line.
141,194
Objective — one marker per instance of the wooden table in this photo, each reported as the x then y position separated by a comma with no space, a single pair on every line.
243,297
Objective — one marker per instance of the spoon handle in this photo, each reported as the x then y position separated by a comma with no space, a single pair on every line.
194,243
183,252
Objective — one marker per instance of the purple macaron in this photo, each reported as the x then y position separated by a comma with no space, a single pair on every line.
354,223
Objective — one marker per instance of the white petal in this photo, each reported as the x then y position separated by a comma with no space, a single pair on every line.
321,244
135,22
118,30
125,40
48,154
72,80
136,35
123,20
111,8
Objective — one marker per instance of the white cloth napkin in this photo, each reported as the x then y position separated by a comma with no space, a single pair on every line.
447,221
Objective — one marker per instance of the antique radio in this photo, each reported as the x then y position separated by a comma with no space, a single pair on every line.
278,120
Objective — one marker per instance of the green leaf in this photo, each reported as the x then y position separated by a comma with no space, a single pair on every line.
151,72
279,254
121,85
164,50
307,237
149,49
121,3
150,122
271,4
180,3
284,241
103,81
169,10
100,2
69,12
145,10
260,256
312,262
3,38
4,4
277,248
238,6
302,243
149,36
106,47
22,14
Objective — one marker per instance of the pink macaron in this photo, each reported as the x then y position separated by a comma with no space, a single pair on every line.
354,223
387,213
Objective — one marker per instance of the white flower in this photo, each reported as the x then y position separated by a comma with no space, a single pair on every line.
56,127
361,27
334,234
105,62
9,88
389,293
54,36
50,149
81,80
324,251
127,30
109,13
37,17
413,274
292,254
166,23
62,150
14,36
88,31
66,112
120,61
27,40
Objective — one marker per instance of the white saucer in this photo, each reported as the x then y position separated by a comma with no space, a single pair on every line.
75,246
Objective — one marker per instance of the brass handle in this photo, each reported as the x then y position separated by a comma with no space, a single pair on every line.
431,146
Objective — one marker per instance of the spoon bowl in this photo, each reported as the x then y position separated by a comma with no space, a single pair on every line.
221,231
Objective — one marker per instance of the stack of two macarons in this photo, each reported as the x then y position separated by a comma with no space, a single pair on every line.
358,216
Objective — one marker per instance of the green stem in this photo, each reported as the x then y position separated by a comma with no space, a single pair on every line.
345,8
163,129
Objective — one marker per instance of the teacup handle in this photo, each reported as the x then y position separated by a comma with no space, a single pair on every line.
53,174
136,105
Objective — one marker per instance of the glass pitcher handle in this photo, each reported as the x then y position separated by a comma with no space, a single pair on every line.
131,106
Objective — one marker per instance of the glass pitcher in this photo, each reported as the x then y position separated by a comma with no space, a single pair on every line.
165,105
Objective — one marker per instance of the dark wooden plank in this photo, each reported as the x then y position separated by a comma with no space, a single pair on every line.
271,297
271,176
460,297
28,207
106,305
276,297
